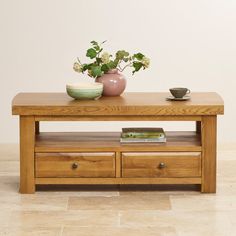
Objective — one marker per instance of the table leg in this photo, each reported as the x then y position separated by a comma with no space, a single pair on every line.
27,140
208,130
37,127
198,127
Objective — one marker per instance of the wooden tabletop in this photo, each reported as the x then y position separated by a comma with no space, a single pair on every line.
135,104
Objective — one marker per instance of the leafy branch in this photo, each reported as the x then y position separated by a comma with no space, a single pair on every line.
104,62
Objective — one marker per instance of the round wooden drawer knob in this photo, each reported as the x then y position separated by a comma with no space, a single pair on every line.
162,165
75,165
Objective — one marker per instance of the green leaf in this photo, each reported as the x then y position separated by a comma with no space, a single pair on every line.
105,68
90,66
111,65
96,71
91,53
94,43
121,54
139,56
87,67
98,60
137,66
84,68
116,61
97,48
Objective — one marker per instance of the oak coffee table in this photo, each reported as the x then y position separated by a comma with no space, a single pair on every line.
99,157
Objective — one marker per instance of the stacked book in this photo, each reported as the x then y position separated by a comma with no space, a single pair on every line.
140,135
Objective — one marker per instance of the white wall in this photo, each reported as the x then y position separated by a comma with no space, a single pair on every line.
191,43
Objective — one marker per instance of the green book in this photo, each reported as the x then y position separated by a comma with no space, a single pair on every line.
142,135
142,129
143,140
145,133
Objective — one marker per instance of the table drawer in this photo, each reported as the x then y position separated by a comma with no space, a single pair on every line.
161,164
75,164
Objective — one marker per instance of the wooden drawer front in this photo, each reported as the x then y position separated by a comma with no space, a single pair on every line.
161,164
75,164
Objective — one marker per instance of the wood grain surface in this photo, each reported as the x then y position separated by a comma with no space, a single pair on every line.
176,164
110,141
119,118
209,136
196,180
27,143
138,104
189,157
88,164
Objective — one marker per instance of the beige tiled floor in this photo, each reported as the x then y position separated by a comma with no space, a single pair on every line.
113,210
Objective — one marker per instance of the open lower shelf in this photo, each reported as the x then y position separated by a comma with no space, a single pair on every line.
110,141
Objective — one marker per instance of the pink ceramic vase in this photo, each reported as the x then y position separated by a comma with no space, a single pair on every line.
114,83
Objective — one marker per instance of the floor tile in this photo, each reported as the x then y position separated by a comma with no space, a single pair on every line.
33,202
132,202
79,190
151,190
9,185
30,231
117,231
146,218
189,221
226,189
9,168
9,151
5,218
204,202
64,218
204,223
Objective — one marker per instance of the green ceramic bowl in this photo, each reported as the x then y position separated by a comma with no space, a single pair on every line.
85,91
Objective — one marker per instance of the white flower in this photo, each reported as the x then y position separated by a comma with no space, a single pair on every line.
77,67
105,57
146,62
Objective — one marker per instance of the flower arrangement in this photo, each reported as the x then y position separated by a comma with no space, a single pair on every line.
104,61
